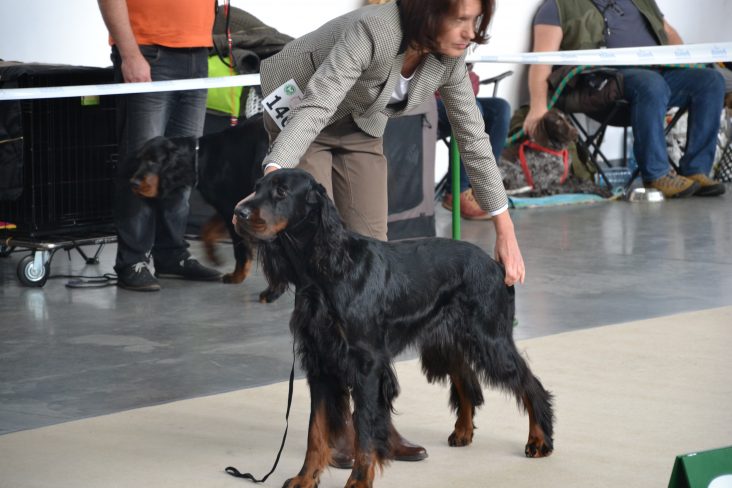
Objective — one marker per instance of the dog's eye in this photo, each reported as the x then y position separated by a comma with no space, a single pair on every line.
280,191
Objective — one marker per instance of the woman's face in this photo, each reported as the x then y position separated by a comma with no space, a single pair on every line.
458,29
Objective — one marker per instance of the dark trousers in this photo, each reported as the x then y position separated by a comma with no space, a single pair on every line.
650,93
496,116
156,227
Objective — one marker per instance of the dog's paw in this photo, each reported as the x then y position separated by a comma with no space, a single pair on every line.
352,483
538,447
460,439
232,278
301,482
269,295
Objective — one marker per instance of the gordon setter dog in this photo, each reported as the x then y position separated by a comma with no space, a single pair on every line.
359,302
224,166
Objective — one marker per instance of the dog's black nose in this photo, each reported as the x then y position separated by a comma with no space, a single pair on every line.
243,212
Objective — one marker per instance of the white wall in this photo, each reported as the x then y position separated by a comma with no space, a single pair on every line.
72,31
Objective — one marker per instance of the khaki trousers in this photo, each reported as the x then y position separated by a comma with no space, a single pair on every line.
350,164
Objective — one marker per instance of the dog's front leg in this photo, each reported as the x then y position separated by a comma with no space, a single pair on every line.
371,420
318,452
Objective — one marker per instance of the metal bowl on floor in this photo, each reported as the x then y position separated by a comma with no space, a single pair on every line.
645,195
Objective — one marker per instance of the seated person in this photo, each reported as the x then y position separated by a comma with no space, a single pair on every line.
496,115
590,24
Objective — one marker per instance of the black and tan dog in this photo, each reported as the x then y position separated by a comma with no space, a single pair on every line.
359,302
224,166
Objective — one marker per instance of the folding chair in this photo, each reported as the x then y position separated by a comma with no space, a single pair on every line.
444,135
589,142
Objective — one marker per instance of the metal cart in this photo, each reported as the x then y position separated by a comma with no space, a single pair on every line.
58,160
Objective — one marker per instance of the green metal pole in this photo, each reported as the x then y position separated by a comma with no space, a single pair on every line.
455,169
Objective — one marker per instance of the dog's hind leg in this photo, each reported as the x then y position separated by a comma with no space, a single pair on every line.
504,367
213,230
243,255
440,362
465,394
537,402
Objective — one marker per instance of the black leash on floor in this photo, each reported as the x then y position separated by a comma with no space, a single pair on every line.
78,281
235,472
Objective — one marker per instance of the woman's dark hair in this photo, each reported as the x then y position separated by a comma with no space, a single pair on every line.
422,21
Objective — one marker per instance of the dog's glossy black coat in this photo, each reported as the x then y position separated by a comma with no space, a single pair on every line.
359,302
225,169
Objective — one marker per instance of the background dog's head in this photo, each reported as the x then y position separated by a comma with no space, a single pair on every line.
554,130
163,165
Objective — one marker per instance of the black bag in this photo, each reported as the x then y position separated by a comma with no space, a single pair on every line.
593,90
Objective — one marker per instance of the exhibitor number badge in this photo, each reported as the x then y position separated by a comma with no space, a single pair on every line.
282,101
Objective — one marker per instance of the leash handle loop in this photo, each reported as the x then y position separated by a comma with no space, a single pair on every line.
235,472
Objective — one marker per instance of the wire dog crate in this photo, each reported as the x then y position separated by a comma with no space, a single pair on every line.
59,163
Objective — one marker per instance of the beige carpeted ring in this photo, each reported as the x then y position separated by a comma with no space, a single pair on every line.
629,397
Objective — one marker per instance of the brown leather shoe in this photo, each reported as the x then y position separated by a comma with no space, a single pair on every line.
707,186
342,448
469,208
403,450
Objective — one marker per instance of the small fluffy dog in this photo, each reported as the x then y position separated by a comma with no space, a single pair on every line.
544,162
224,166
360,301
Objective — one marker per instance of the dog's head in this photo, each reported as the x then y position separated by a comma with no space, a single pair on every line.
555,131
163,165
282,200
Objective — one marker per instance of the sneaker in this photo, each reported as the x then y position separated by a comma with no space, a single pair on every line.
469,208
137,277
674,186
707,186
187,268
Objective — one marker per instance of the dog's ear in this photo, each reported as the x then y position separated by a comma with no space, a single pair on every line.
330,250
177,159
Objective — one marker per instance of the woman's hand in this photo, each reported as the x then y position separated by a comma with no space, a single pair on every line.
507,250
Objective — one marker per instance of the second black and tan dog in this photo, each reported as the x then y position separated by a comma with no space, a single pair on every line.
224,166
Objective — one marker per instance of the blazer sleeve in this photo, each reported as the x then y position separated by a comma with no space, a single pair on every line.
327,88
475,147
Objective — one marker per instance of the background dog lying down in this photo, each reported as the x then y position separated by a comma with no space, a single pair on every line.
224,166
359,302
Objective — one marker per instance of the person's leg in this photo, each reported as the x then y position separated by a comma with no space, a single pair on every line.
139,117
649,96
702,92
497,116
187,113
360,175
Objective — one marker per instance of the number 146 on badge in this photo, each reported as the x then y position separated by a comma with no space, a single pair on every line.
282,101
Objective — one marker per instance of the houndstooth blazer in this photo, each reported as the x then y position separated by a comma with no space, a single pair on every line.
350,66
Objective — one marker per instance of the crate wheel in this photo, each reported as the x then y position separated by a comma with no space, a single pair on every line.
30,275
5,250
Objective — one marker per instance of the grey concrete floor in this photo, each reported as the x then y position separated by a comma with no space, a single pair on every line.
67,354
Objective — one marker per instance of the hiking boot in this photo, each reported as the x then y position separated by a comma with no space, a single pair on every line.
707,186
674,186
137,277
469,208
187,268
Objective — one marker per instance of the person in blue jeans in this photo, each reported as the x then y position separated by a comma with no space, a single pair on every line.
151,41
496,116
651,91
